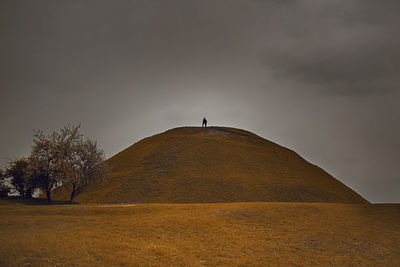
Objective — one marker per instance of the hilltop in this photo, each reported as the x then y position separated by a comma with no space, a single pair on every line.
214,164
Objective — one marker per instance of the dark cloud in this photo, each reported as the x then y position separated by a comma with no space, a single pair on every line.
339,47
319,77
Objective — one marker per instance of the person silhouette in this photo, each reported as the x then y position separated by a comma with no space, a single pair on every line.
204,124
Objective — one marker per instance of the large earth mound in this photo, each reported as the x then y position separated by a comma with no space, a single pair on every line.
214,164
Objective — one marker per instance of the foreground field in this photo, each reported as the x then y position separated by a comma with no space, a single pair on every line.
234,234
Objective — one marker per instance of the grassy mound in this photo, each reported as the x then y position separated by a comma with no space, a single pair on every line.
214,164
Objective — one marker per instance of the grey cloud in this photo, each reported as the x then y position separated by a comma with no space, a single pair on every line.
341,47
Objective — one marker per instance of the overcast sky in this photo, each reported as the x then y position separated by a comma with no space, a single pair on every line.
319,77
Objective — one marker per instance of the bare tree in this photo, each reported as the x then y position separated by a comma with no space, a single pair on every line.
4,188
48,157
86,164
63,158
19,178
44,162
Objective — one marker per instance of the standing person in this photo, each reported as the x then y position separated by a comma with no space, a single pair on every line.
204,124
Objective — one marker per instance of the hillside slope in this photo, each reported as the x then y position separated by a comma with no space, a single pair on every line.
214,164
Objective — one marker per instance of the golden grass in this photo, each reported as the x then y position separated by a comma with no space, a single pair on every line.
216,164
234,234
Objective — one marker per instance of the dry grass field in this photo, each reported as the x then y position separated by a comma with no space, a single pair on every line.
229,234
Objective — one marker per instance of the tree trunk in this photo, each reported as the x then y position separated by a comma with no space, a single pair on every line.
72,197
28,193
48,192
72,194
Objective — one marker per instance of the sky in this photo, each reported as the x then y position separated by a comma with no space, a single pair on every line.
319,77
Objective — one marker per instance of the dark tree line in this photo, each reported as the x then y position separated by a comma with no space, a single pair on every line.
63,157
